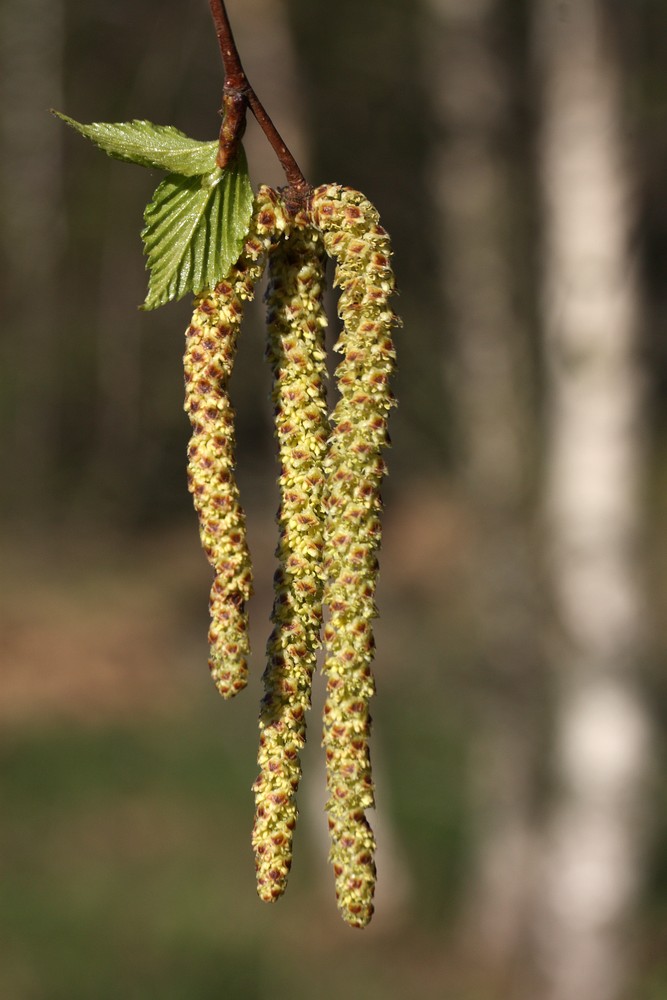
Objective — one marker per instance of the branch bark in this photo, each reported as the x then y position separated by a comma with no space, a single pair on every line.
237,96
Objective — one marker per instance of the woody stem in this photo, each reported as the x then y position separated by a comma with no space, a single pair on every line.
237,96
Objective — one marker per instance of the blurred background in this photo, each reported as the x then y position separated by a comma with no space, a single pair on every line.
517,153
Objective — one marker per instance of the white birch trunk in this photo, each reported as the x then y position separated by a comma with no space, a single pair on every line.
593,850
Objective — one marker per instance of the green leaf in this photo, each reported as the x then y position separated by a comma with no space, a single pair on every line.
161,146
195,229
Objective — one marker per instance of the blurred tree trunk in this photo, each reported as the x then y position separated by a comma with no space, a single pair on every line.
31,44
491,384
593,849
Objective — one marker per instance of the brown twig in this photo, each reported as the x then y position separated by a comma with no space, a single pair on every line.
237,96
295,178
235,78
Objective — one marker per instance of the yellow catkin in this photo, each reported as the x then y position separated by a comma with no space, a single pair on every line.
210,350
295,350
354,469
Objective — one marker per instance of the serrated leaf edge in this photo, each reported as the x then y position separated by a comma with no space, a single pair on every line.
146,157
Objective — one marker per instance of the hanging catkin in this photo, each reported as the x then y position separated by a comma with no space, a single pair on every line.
209,358
354,470
295,350
202,218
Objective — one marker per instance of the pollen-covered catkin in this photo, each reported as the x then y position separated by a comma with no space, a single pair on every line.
354,469
295,350
209,357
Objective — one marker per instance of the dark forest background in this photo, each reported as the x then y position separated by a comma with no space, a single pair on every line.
519,725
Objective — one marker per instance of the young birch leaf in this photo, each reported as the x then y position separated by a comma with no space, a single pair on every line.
161,146
195,228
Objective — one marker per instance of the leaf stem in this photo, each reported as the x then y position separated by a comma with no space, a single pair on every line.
237,96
